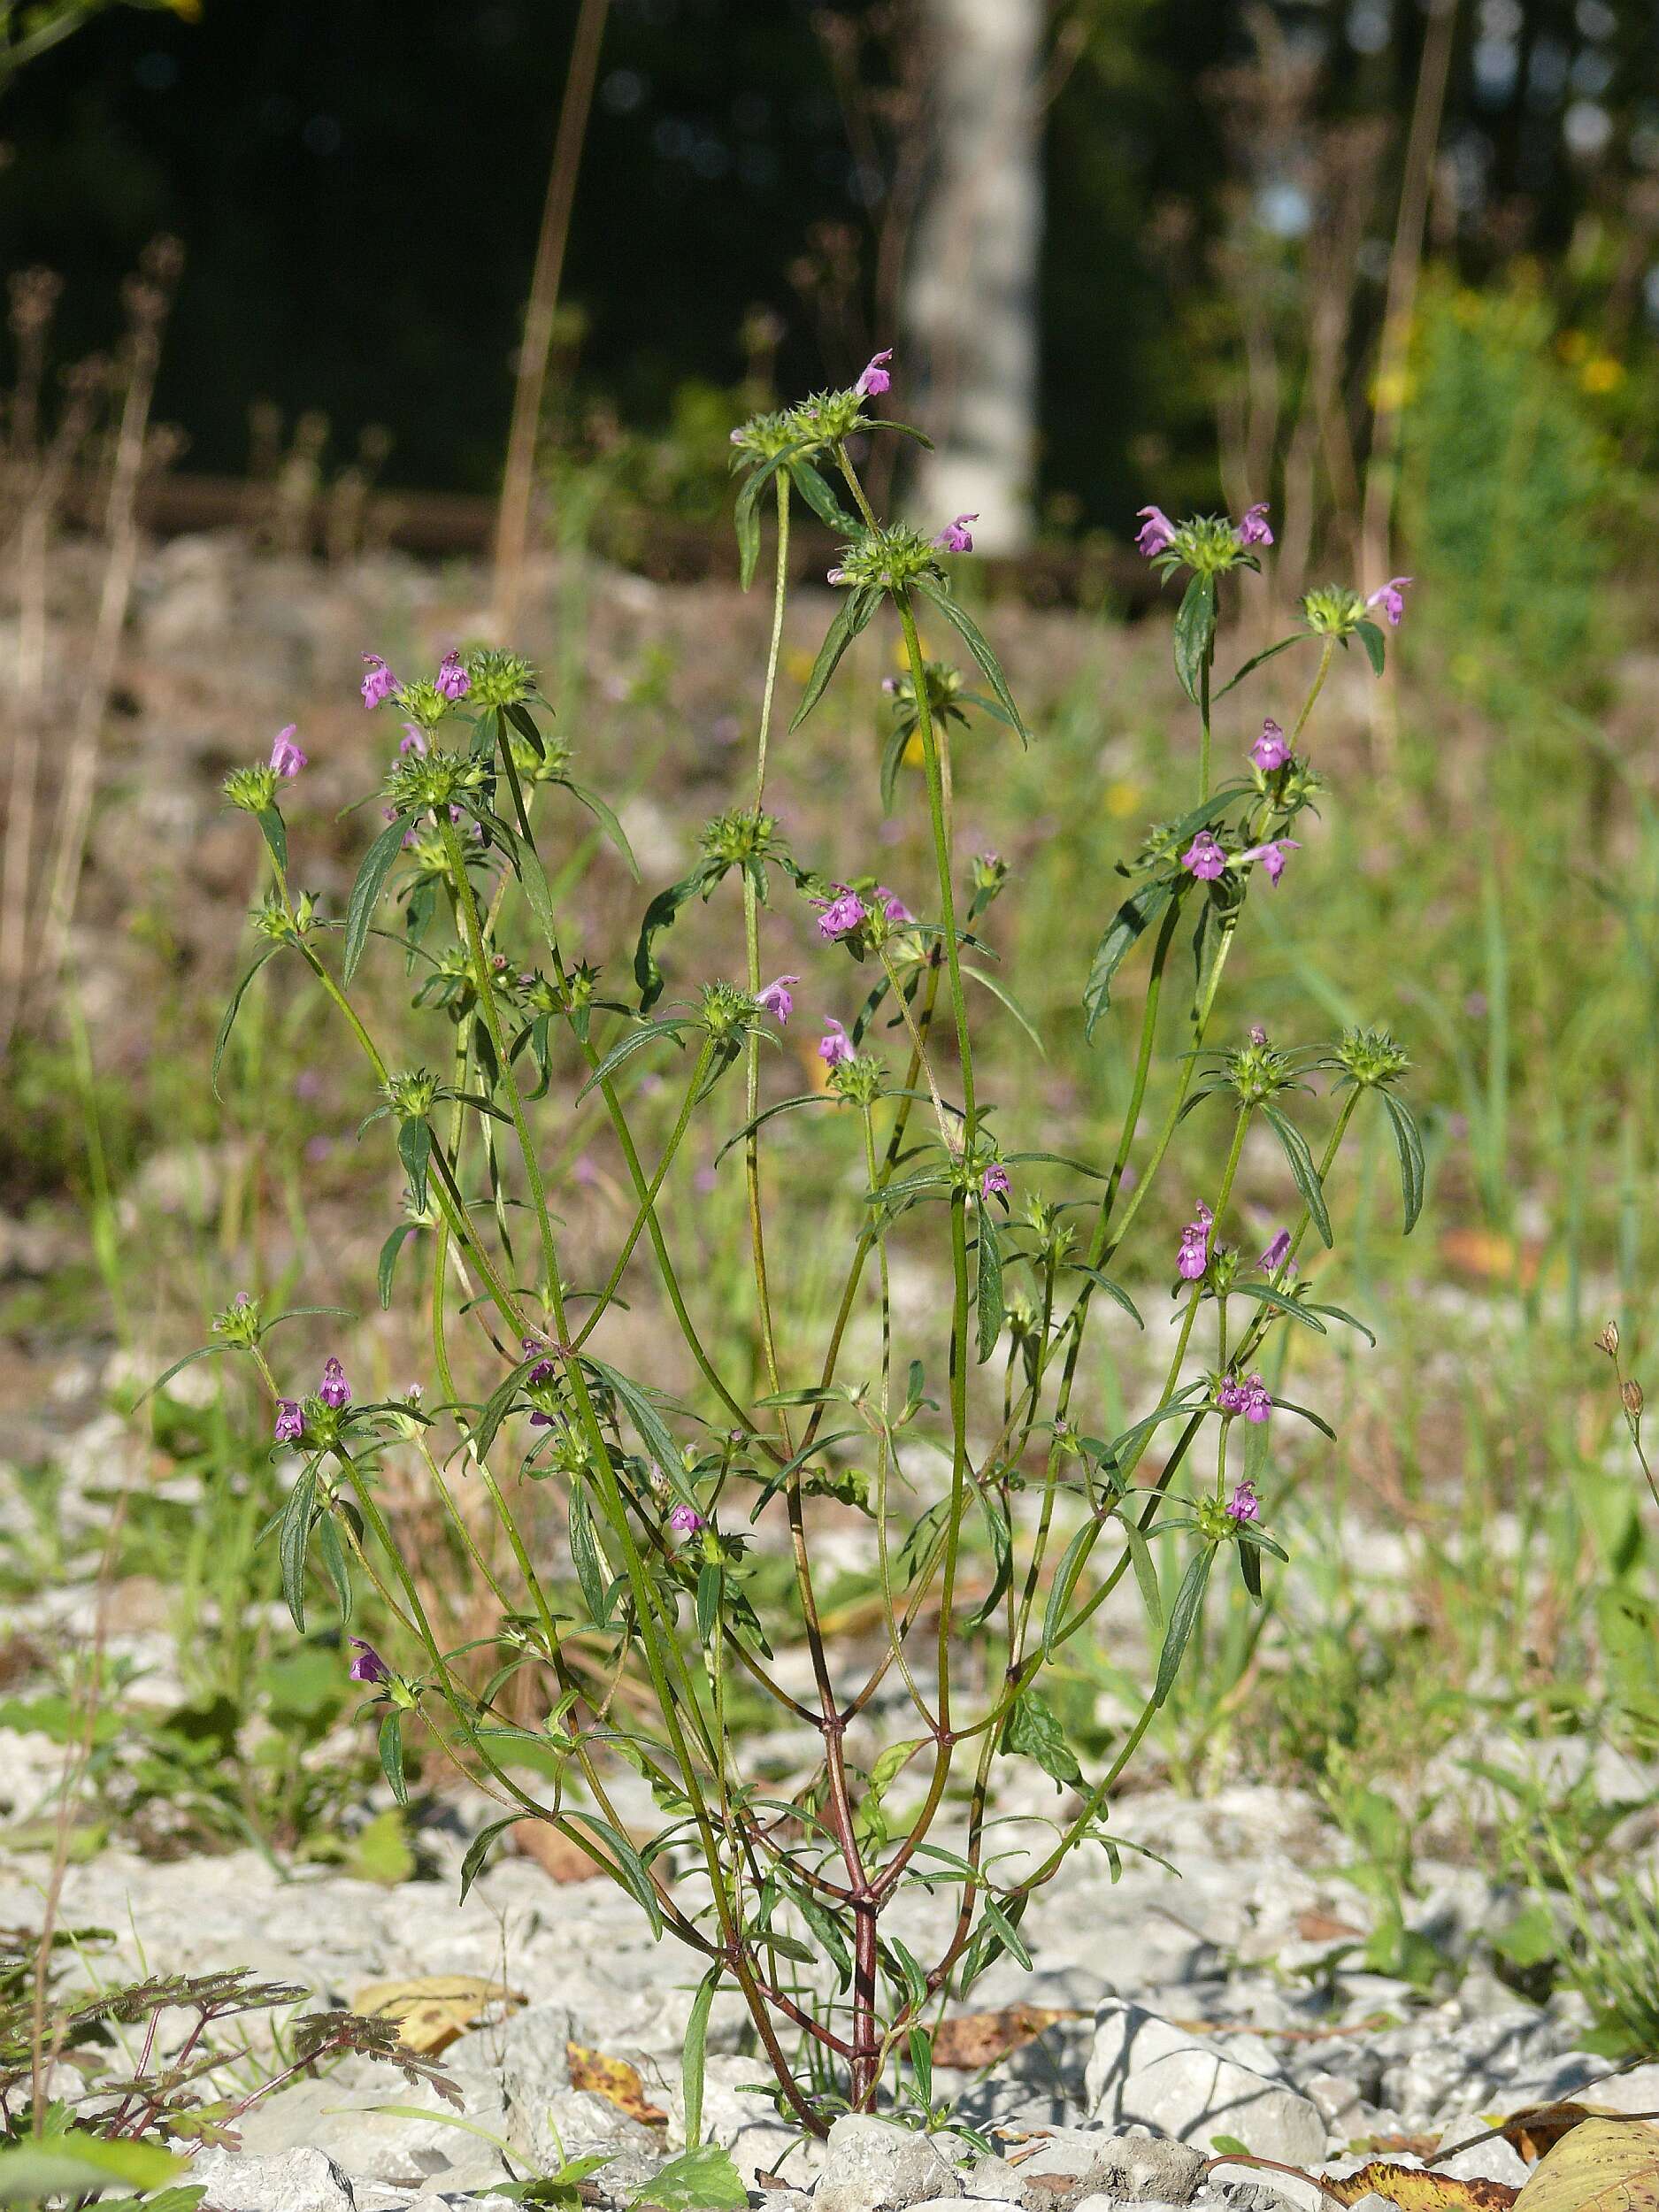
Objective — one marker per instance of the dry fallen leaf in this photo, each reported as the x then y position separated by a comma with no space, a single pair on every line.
973,2039
616,2080
432,2009
1314,1926
1414,2190
1598,2166
1536,2128
554,1853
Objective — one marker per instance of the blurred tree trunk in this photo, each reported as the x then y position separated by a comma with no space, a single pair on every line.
972,296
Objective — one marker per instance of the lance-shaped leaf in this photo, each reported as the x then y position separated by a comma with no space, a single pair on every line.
299,1516
1413,1169
852,617
821,499
989,1291
747,515
642,1412
265,952
979,645
365,892
660,915
1256,659
1032,1728
1301,1166
414,1150
1376,645
1138,911
1184,1613
1194,633
606,817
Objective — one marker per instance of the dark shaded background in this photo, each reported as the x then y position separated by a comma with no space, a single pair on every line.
359,183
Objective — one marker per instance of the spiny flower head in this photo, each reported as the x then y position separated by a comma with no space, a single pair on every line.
501,679
1209,545
271,918
1370,1057
1332,611
1257,1072
738,836
826,418
433,782
889,558
411,1094
763,437
238,1324
727,1011
252,790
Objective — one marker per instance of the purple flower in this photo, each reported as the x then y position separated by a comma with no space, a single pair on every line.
286,756
1249,1397
685,1520
290,1422
453,681
1271,854
1194,1256
842,914
1244,1505
1258,1035
875,380
955,537
368,1666
543,1421
380,683
1157,533
412,740
777,998
543,1368
1204,858
892,906
834,1046
1254,529
334,1389
994,1182
1272,749
835,576
1390,598
1277,1253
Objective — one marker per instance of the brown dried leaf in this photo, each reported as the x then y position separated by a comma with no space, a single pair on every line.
554,1853
1315,1926
973,2039
1598,2166
1536,2128
614,2079
1414,2190
431,2009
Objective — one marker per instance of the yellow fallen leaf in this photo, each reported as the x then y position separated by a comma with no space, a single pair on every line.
1414,2190
1600,2166
432,2009
616,2080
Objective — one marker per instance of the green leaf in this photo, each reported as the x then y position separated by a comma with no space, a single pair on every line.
392,1753
922,2065
1376,646
606,817
975,639
746,517
1408,1144
202,1351
1281,1301
710,1578
700,2180
390,1251
694,2055
1138,911
630,1044
1006,998
643,1414
478,1851
1146,1573
1230,2144
892,760
1301,1166
627,1863
1255,660
1064,1581
782,1106
851,616
276,835
1183,1619
1005,1928
989,1296
267,952
499,1404
1339,1313
74,2163
659,916
1033,1729
1194,633
365,892
294,1540
333,1554
592,1572
414,1150
821,499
